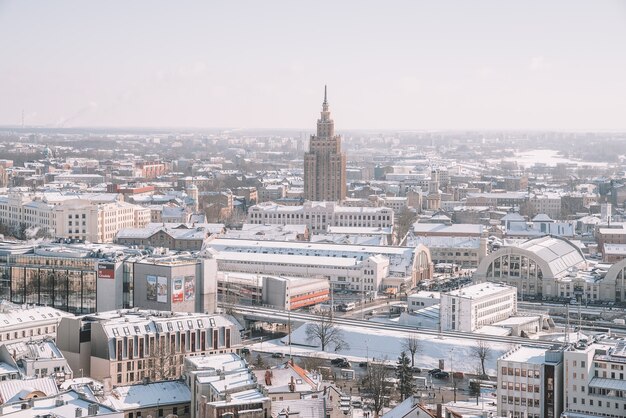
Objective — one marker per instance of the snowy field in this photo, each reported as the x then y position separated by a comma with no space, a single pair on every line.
387,345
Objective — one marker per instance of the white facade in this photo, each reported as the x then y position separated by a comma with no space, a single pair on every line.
94,218
530,383
352,267
343,273
469,308
594,379
319,215
19,323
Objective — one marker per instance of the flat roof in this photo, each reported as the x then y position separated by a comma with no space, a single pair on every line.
480,290
528,355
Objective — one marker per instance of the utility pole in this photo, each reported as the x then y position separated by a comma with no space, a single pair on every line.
289,332
332,301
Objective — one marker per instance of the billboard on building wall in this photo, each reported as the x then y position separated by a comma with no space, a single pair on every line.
177,289
106,271
162,289
190,287
151,287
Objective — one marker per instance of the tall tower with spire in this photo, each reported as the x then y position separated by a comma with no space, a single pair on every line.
324,163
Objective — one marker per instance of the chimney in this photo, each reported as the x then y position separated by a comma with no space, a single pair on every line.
93,409
78,412
439,411
292,385
268,378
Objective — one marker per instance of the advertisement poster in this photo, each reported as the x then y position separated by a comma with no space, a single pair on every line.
177,289
162,289
106,271
190,288
151,287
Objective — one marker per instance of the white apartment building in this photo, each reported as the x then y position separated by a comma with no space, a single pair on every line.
318,216
530,383
20,323
594,379
89,217
469,308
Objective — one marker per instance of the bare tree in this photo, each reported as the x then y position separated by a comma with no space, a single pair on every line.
481,352
405,220
160,361
325,332
412,344
376,386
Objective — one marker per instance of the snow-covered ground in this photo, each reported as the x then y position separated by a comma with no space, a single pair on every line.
387,345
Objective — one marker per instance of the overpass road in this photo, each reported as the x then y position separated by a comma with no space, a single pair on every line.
275,315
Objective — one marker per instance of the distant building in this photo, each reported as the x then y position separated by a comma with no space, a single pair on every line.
90,217
318,216
175,236
324,163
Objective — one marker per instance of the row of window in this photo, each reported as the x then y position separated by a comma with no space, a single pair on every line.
510,371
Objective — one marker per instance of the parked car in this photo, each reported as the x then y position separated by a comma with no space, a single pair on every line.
433,371
363,364
416,369
337,361
278,355
344,365
245,351
441,375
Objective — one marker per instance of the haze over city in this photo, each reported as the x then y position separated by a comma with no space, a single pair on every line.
398,65
280,209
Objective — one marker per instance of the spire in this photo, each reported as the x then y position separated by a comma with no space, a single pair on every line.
325,104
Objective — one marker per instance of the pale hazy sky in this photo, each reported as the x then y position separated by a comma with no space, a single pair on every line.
263,64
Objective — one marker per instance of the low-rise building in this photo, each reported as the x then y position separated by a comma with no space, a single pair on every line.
466,252
176,236
224,384
156,399
350,267
36,358
21,323
68,404
469,308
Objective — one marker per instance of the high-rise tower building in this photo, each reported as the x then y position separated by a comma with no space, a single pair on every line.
325,164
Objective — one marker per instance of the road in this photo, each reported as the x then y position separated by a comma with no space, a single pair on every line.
276,315
438,388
